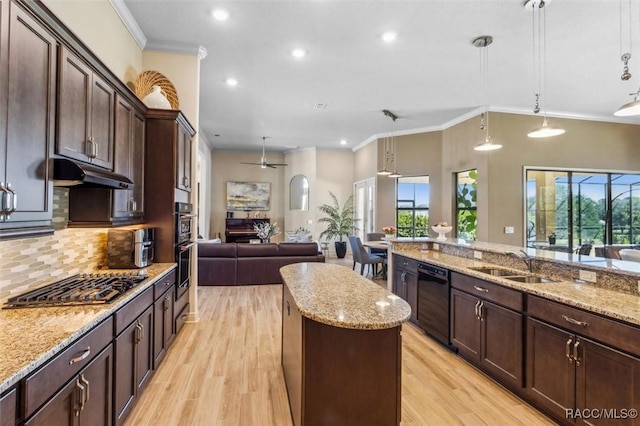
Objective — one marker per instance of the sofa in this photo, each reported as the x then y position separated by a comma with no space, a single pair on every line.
241,263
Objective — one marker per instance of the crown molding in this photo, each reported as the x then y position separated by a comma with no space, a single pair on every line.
129,22
185,49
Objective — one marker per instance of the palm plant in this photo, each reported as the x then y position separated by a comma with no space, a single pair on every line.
340,222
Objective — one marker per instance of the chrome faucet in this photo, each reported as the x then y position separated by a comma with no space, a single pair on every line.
522,255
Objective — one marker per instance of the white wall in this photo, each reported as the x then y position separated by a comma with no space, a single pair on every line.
301,162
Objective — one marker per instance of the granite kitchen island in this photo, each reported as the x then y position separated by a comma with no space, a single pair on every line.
341,346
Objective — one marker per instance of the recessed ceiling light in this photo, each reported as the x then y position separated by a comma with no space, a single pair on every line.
298,53
343,142
389,36
232,82
319,106
220,15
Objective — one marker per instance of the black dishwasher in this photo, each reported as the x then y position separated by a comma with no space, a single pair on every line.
433,301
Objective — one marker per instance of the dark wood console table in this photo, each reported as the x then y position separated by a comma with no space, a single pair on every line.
241,230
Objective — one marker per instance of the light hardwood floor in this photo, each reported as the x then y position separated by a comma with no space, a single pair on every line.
225,370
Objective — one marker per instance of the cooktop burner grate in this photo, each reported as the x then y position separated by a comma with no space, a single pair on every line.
83,289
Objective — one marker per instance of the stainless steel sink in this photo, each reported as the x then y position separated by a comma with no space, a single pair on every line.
529,279
494,271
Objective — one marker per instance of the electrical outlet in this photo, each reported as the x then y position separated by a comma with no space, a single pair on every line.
309,221
509,230
436,246
477,254
589,276
424,247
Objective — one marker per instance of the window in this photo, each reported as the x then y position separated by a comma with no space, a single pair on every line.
566,209
467,204
412,206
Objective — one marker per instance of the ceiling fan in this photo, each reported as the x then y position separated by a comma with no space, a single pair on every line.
263,162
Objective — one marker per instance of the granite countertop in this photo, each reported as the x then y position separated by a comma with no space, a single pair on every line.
583,295
31,336
337,296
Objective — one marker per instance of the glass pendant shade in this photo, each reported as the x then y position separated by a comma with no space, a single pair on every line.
630,109
545,130
384,172
487,145
395,175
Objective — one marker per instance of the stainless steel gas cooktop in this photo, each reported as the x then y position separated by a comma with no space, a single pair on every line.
83,289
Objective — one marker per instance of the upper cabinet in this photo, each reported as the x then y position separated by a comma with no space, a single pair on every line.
183,168
27,116
85,113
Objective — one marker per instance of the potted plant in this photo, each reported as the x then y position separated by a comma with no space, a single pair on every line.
340,222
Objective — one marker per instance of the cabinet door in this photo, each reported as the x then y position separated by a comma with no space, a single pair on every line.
85,400
102,110
163,327
183,170
8,405
550,372
133,362
30,118
465,325
137,163
74,107
501,348
400,283
606,379
122,164
412,295
292,354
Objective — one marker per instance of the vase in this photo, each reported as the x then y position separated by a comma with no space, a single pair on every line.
156,99
265,240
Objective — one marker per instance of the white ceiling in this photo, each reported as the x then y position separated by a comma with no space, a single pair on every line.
429,76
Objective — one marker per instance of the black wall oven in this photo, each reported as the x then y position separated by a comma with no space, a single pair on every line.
184,246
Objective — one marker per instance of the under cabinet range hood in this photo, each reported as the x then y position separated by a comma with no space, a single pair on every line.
71,173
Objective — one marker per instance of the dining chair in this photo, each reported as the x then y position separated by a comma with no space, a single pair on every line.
376,236
361,256
630,254
584,249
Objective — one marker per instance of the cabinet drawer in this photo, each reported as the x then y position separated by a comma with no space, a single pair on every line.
163,284
132,310
42,384
8,408
489,291
405,263
609,331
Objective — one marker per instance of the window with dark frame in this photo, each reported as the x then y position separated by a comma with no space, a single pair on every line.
466,204
412,206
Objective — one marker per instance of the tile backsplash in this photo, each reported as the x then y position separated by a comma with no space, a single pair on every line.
29,262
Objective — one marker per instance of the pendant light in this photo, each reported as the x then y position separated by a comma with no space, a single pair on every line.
395,173
483,42
539,29
632,108
384,171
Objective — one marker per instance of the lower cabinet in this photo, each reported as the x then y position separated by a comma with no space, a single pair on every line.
163,326
85,400
569,375
133,356
8,408
405,282
489,336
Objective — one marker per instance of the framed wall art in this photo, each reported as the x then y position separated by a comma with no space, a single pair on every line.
244,196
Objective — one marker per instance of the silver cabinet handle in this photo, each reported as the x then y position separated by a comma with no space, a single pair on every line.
575,352
477,309
403,277
78,403
480,314
14,199
5,199
481,289
167,300
567,351
575,321
185,182
85,382
82,356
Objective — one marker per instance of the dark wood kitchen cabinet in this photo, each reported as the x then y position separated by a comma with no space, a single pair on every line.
183,170
27,116
133,353
91,207
8,408
163,316
74,386
567,371
405,282
164,130
85,113
484,332
85,400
